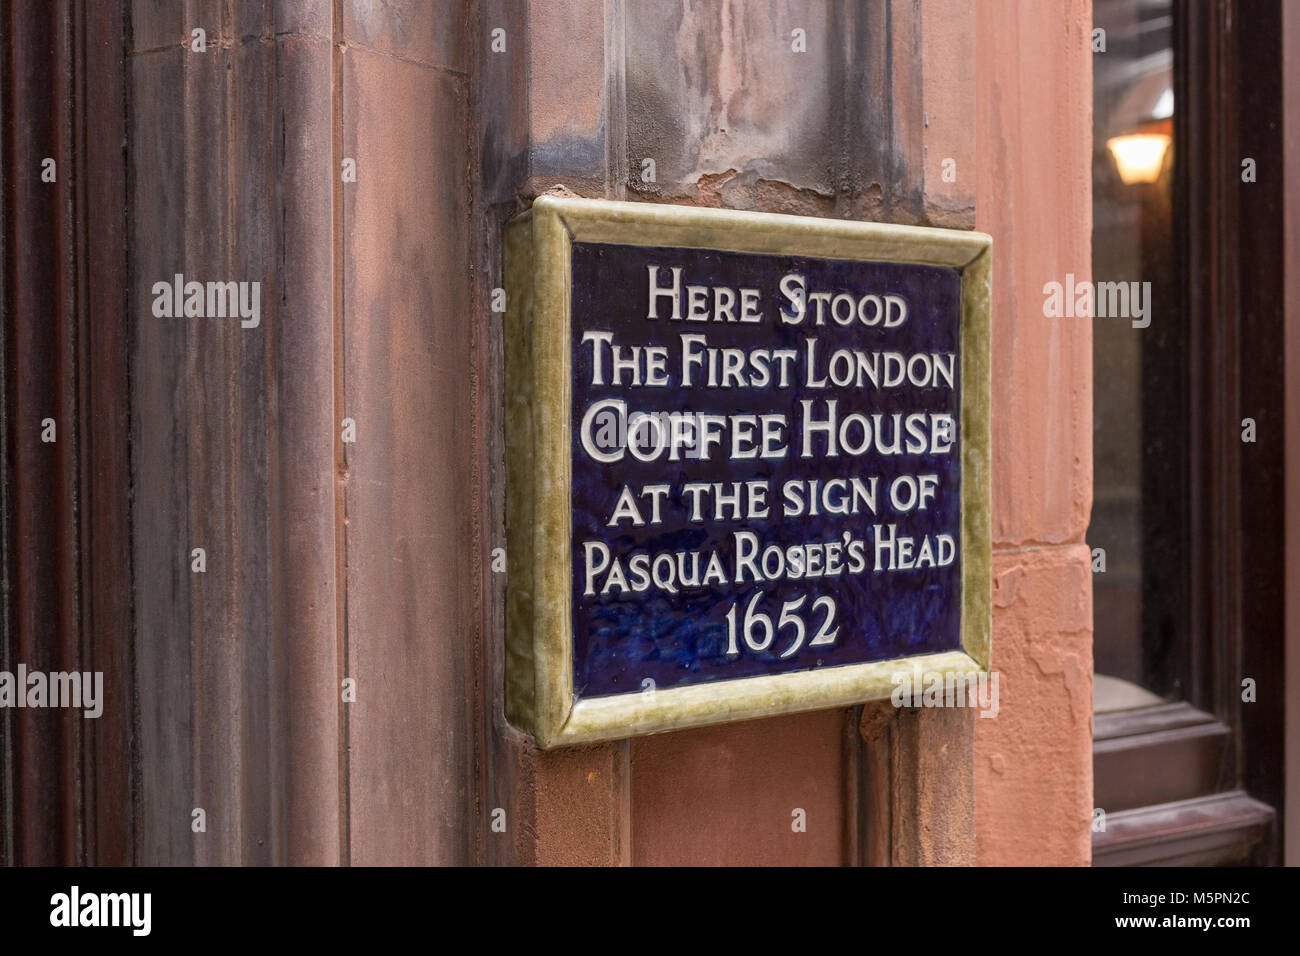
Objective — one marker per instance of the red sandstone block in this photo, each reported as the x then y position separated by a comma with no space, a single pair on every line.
1033,761
407,321
430,33
1035,199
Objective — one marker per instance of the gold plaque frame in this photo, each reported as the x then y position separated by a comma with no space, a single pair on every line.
539,633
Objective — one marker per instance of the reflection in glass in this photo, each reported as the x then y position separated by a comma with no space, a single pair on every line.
1138,415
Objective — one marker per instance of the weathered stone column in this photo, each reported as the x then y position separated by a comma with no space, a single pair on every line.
829,110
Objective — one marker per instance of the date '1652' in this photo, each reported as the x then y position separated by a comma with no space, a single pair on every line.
758,630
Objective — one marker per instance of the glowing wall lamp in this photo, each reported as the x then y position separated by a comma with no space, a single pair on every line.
1139,157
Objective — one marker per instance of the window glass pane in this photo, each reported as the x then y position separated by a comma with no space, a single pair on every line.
1138,361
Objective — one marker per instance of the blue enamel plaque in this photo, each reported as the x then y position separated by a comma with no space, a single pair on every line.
765,464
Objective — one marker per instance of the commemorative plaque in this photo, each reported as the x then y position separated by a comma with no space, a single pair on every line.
747,464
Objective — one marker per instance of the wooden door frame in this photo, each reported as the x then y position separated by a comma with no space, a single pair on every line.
66,797
1201,781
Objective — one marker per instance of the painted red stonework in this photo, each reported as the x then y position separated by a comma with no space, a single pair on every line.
1033,766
